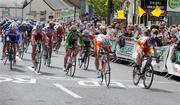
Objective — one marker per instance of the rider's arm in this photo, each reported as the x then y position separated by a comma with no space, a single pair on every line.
81,40
33,37
68,39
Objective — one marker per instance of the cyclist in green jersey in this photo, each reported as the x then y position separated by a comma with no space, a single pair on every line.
74,42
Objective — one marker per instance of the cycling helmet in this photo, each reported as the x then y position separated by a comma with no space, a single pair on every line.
86,32
51,23
39,26
13,26
73,28
58,26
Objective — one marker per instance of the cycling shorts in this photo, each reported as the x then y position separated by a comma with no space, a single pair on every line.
14,39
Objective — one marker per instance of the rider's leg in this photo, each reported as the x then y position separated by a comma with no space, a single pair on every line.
33,55
4,49
66,57
15,49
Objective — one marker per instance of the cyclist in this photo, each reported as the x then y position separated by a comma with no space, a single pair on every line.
60,33
11,34
50,32
23,34
72,42
37,35
101,41
87,41
145,46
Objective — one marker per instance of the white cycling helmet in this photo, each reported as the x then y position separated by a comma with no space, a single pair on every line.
86,32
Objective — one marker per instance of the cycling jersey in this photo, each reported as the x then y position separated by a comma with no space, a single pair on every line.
37,35
72,40
144,45
101,40
14,37
49,32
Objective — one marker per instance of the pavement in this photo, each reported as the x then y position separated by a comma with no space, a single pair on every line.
23,86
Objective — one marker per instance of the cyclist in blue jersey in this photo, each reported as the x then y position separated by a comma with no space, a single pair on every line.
11,34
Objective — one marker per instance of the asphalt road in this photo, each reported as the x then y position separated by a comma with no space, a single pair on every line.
22,86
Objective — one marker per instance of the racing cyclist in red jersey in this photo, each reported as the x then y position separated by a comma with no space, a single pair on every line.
37,36
50,32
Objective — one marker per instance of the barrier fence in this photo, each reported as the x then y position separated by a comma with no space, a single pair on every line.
128,52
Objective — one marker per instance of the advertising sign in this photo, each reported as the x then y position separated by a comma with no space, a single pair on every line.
173,67
173,5
151,4
127,51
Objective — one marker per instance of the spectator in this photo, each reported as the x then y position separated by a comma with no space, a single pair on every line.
164,34
173,35
129,33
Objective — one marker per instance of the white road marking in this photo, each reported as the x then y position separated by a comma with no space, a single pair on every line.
30,68
24,80
88,83
141,85
67,91
5,79
18,59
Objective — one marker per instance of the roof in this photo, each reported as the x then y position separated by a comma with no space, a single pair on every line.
13,3
75,3
57,4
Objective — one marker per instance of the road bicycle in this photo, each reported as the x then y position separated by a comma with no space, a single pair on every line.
47,54
9,55
84,57
38,58
146,74
71,64
106,69
58,44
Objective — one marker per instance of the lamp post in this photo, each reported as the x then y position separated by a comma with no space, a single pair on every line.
110,4
134,17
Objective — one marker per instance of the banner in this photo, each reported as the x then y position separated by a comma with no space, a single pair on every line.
173,68
126,52
163,53
149,5
67,13
173,5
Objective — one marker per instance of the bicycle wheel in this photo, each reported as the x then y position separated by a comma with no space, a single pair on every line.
108,74
148,76
10,56
86,62
39,62
102,77
80,59
22,51
136,76
58,45
49,58
73,67
27,45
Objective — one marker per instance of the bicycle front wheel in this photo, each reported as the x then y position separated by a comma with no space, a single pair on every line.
148,76
80,58
11,56
136,76
108,74
73,67
86,62
39,62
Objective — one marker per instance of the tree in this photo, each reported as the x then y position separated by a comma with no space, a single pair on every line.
101,6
